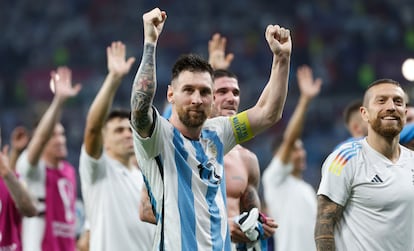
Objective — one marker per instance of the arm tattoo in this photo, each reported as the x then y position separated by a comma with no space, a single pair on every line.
143,89
140,103
249,199
329,213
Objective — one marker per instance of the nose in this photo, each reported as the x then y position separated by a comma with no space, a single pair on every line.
128,132
230,97
390,105
196,98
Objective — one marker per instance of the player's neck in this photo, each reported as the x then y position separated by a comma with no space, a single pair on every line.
389,147
51,162
298,174
124,160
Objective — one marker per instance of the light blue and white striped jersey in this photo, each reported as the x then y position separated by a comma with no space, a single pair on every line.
187,176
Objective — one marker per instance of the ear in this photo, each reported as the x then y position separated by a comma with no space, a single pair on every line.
364,113
170,94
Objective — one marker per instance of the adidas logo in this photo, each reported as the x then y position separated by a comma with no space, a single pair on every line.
376,179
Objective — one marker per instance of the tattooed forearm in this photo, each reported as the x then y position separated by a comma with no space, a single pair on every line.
143,90
249,199
141,103
329,213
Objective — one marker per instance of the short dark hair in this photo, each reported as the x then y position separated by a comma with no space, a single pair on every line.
118,113
223,73
378,82
351,108
191,62
383,81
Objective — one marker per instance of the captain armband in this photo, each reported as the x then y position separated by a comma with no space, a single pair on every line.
241,127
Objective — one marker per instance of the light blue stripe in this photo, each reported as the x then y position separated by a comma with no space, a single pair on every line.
152,199
215,219
211,195
185,195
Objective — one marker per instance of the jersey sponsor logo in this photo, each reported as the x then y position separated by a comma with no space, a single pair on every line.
66,189
342,157
63,229
376,179
209,171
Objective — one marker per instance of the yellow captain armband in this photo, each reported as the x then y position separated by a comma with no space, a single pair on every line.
241,127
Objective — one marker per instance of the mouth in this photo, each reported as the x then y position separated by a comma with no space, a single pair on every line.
231,109
195,111
390,118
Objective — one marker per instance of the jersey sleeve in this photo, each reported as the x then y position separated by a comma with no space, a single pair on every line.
337,174
90,169
28,171
151,146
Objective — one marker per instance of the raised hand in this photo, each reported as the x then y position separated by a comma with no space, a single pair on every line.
116,59
19,139
61,83
217,53
153,23
279,40
308,86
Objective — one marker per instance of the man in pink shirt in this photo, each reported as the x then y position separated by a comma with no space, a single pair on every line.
50,178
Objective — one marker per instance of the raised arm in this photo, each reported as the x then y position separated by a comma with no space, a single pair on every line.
309,88
329,214
118,67
145,82
19,194
19,140
217,53
61,85
268,110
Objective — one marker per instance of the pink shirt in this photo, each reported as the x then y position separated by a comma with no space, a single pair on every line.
10,221
60,215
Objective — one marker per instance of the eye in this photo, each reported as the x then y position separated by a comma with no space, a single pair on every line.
399,102
205,92
381,100
220,91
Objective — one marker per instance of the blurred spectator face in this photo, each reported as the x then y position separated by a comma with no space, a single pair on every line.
226,96
298,157
357,126
410,114
56,146
118,138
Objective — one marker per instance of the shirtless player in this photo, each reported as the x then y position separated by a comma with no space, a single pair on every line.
241,165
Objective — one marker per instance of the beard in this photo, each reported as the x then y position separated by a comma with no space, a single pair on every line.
388,131
192,119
